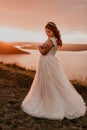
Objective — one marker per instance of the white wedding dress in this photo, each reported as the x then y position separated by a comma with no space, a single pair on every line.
52,95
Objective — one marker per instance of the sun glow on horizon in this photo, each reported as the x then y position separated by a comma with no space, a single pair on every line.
15,35
75,37
8,34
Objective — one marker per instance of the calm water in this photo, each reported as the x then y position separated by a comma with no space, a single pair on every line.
73,63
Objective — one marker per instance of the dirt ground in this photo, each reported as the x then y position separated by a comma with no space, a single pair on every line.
14,85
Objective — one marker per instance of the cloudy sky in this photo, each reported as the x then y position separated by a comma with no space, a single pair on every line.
25,19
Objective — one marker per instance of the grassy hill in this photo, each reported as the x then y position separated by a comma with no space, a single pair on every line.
15,83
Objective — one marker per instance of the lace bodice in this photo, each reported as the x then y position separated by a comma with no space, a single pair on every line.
54,48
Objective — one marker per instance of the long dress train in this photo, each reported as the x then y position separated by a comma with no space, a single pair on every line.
52,95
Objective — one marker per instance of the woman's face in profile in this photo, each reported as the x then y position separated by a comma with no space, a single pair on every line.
49,33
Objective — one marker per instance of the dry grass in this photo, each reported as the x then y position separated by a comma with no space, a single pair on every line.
14,85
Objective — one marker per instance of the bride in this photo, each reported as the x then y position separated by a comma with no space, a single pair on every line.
52,95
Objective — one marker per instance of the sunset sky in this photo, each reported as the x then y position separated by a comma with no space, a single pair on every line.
24,20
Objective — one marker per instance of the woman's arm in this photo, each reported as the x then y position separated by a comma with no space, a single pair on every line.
44,50
44,45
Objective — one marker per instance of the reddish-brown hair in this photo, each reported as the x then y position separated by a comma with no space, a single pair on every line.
52,26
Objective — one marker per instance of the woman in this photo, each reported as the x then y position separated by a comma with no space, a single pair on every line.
52,95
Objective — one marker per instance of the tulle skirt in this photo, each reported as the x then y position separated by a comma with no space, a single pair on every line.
51,94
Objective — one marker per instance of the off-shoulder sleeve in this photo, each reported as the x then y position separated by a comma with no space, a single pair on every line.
53,40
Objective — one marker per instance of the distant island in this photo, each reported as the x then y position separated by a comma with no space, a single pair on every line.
7,48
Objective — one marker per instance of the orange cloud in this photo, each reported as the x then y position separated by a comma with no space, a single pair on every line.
69,15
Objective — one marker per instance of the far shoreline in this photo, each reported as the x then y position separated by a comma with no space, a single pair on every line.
65,47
